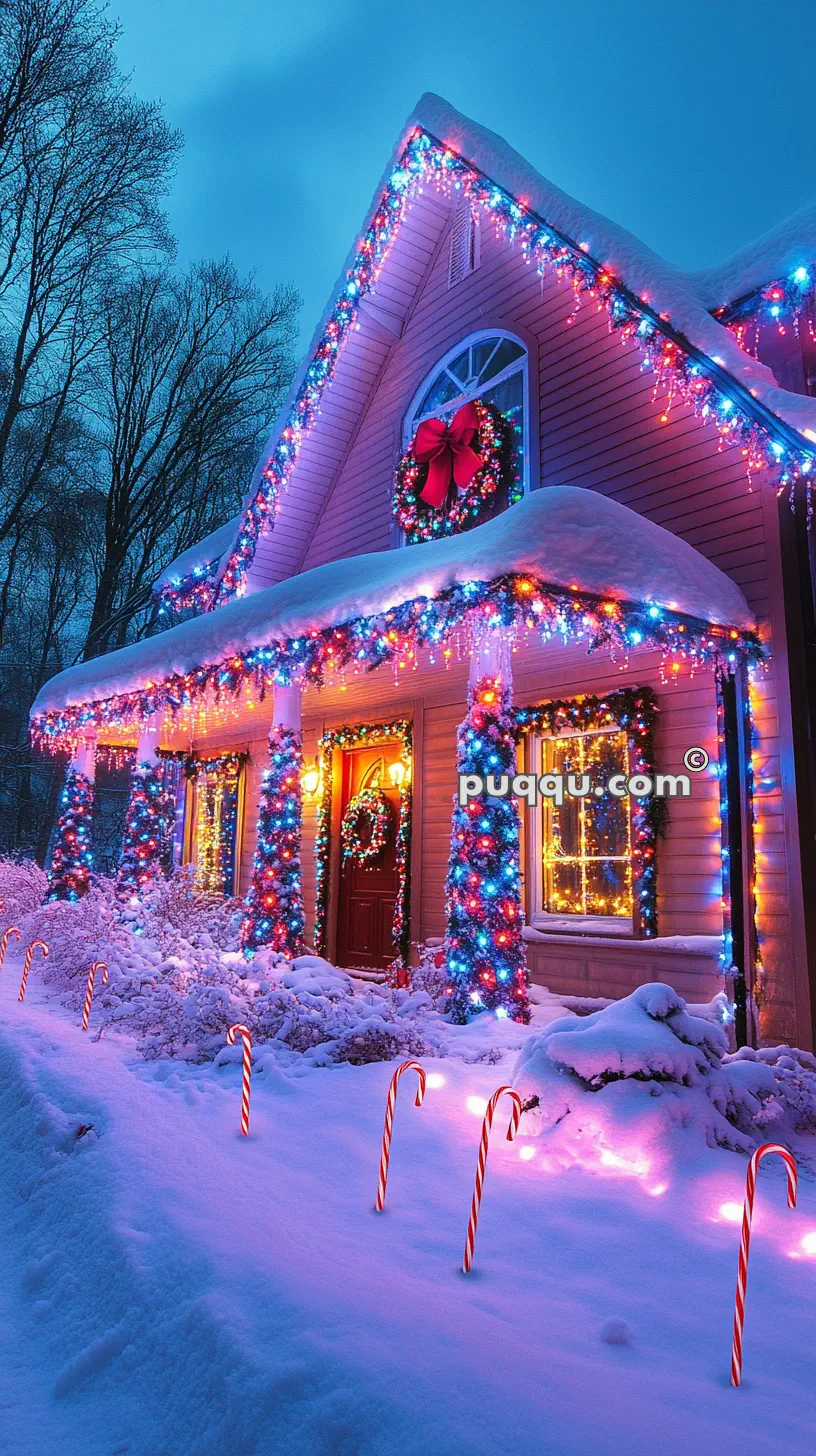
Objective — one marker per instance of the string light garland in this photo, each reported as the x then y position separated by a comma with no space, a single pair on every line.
782,303
484,946
365,643
470,506
369,807
683,370
72,861
363,735
216,782
634,710
148,827
274,901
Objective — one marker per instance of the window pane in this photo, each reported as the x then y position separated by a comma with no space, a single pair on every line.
482,352
586,847
507,351
442,390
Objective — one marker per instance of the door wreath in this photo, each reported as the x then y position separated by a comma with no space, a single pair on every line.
369,806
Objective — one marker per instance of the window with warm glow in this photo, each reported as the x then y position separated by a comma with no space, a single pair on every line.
585,844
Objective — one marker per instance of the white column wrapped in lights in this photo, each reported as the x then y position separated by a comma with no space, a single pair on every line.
149,815
483,943
274,901
72,861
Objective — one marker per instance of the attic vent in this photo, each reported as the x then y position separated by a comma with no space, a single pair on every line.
464,244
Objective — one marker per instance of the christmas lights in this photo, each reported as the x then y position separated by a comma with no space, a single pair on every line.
464,507
484,947
782,303
148,827
72,862
364,643
634,710
369,806
358,736
274,902
216,783
684,371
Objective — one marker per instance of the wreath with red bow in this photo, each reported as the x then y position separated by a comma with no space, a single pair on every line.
450,476
369,805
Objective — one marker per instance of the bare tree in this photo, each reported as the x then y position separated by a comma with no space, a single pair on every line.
192,369
83,169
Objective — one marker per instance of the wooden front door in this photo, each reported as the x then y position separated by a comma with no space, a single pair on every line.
367,892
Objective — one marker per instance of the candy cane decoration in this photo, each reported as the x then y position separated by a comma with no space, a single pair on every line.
389,1122
35,945
12,930
243,1031
86,1010
482,1164
745,1243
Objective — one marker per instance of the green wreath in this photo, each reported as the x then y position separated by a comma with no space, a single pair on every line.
369,805
461,508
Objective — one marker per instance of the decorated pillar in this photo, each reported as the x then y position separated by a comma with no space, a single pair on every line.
274,902
483,942
72,861
149,816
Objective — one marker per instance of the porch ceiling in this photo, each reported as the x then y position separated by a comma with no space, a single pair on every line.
563,536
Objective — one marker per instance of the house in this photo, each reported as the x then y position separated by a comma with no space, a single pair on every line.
534,487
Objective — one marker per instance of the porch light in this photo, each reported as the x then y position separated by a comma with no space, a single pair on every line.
397,772
310,780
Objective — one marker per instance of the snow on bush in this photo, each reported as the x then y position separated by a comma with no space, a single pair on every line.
177,981
617,1087
22,888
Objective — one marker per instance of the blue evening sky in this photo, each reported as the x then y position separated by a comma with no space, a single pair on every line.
691,123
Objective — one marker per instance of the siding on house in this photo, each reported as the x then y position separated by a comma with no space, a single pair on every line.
596,422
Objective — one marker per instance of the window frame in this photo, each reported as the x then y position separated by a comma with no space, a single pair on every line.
412,417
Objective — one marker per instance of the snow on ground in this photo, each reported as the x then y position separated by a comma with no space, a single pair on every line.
170,1289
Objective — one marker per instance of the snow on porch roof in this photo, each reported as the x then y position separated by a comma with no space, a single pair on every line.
563,536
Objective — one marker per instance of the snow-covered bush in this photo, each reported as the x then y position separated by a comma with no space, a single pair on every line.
619,1087
77,933
429,976
22,888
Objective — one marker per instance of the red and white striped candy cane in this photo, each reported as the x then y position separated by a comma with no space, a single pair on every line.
12,930
482,1164
745,1243
244,1032
389,1122
86,1010
35,945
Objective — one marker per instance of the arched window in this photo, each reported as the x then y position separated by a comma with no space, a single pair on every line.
490,366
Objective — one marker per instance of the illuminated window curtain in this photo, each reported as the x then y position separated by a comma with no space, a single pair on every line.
215,784
587,842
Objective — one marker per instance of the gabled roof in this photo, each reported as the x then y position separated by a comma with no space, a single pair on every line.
567,539
640,289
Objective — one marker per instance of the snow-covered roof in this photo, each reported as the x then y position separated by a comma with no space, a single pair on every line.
205,553
681,299
562,535
776,254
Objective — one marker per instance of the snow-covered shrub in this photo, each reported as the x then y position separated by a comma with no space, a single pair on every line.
429,976
77,933
22,888
772,1091
616,1086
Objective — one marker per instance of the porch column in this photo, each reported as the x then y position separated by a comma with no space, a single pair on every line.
146,819
483,941
274,901
72,861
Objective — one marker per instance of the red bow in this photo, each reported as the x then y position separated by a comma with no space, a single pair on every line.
447,449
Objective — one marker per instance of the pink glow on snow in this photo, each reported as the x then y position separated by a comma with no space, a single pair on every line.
526,1153
434,1080
477,1106
658,1190
808,1245
635,1167
730,1212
